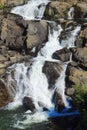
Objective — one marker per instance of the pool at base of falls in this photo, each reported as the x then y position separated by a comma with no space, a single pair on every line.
46,120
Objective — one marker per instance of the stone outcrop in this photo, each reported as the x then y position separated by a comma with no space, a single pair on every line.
56,10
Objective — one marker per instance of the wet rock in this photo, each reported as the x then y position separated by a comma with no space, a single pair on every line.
59,104
5,96
62,54
56,10
52,71
28,104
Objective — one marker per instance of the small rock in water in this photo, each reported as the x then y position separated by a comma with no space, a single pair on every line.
28,104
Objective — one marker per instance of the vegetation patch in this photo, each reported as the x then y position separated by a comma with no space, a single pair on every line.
1,6
80,102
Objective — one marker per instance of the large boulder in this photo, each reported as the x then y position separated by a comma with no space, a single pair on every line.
52,71
37,34
80,56
75,76
56,10
63,55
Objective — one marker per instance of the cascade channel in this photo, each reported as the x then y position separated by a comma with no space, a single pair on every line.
31,81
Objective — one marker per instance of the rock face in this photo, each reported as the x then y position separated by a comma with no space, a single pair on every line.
56,10
21,35
52,71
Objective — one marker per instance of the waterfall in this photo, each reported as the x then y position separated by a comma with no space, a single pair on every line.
34,9
30,80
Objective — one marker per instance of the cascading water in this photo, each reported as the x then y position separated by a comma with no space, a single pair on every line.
31,82
71,13
70,40
34,9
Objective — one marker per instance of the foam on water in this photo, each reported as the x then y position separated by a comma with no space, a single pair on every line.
38,117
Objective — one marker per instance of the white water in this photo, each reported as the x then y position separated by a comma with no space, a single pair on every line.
60,85
37,117
71,13
70,40
34,9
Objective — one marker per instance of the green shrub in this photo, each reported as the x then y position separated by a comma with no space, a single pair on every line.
80,102
1,6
